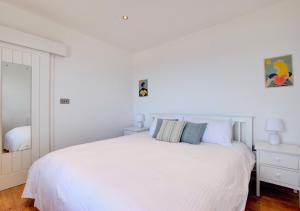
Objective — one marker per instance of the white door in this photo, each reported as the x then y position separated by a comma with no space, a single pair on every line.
14,163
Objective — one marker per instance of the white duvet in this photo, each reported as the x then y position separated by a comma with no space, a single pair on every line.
139,173
18,139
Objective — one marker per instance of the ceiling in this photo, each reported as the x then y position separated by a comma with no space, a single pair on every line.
150,23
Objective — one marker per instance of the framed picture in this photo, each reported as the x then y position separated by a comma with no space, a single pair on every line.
143,88
279,71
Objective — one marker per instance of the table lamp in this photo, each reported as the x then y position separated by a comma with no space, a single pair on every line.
140,119
274,126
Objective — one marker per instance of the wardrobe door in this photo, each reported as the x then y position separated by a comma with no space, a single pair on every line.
25,111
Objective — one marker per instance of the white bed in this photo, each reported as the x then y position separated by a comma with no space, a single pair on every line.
139,173
18,139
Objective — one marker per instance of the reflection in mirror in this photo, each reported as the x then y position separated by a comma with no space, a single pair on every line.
16,107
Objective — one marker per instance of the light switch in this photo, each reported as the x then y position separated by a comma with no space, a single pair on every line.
64,101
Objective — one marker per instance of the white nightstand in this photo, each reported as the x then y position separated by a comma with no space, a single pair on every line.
134,130
278,164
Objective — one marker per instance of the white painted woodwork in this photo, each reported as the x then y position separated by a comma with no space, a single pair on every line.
7,55
26,159
35,106
44,108
6,160
26,58
283,160
279,175
52,103
292,149
14,166
17,57
16,161
278,164
16,37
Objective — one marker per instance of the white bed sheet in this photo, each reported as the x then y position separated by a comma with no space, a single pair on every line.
139,173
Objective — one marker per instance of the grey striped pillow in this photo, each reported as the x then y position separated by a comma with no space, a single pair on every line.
171,131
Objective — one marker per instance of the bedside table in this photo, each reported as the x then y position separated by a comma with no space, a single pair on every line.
278,164
134,130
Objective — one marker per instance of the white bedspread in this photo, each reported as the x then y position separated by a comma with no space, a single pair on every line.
139,173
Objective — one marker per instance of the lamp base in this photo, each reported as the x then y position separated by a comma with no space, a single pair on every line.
274,138
140,124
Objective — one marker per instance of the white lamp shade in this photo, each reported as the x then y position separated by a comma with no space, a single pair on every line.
140,118
274,124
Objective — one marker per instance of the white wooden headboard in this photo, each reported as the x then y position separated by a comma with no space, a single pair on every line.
242,128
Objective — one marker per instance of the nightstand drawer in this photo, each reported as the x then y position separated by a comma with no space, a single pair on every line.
279,175
277,159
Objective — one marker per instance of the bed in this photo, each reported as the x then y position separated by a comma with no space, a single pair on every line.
137,172
18,139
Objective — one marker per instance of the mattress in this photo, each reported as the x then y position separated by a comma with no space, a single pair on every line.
139,173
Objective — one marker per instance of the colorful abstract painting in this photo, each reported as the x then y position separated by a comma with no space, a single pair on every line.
279,71
143,88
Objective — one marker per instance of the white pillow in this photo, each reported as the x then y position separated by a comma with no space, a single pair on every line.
153,127
218,132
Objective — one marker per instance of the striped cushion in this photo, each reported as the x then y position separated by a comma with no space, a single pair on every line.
170,131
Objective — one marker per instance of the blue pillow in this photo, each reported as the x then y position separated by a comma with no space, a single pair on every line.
193,132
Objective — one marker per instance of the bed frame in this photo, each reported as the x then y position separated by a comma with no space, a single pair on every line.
242,125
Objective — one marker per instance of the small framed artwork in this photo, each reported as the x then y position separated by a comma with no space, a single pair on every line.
143,88
279,71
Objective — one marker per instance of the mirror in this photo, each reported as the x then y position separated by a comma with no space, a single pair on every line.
15,107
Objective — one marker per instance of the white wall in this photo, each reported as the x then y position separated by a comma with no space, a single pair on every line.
95,75
220,70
